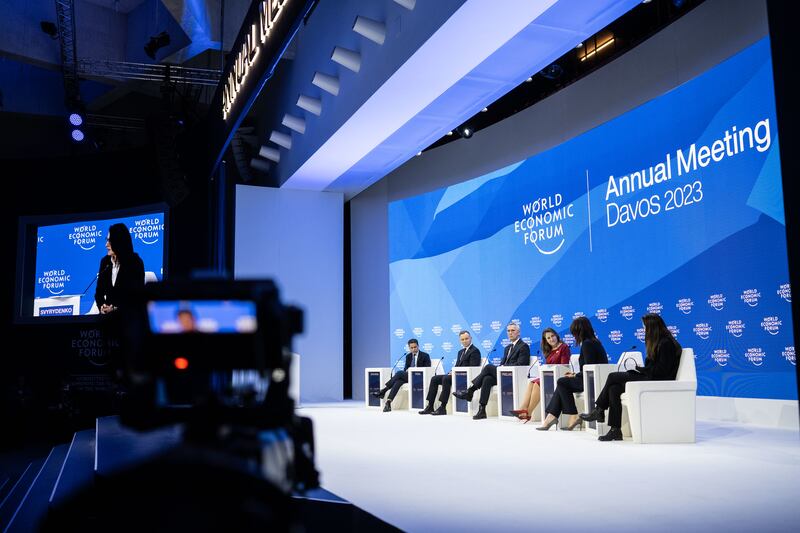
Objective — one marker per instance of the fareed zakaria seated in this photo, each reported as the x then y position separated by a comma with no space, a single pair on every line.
517,353
469,355
414,358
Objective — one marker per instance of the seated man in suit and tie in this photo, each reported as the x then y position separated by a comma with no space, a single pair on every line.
414,358
517,353
469,355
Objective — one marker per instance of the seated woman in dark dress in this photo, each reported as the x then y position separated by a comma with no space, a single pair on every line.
663,358
563,401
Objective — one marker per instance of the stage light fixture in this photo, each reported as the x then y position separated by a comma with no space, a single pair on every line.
75,119
156,43
260,165
267,152
465,131
329,84
347,58
371,29
281,139
49,28
553,71
408,4
312,105
78,136
294,123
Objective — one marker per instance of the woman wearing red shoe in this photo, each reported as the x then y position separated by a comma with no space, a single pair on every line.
555,352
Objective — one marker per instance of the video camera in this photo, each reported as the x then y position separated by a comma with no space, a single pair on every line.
212,358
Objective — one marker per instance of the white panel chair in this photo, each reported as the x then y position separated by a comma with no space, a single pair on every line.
663,411
594,379
513,397
548,380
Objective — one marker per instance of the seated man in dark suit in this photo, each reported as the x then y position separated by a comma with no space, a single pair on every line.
469,355
517,353
413,358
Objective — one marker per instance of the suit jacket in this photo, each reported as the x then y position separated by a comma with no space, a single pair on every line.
130,279
423,359
518,354
472,357
664,366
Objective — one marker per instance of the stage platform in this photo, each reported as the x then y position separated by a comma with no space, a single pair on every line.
449,473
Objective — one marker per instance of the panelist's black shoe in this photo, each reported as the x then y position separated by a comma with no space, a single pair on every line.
387,407
597,415
613,434
442,410
481,414
463,395
428,410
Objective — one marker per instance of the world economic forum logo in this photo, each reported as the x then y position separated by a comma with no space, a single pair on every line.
542,223
54,281
495,325
788,354
627,312
487,344
755,356
702,330
602,314
85,237
455,328
717,301
615,336
447,346
785,292
399,333
720,356
655,308
147,230
685,305
417,331
437,330
578,314
428,347
527,340
639,334
557,320
750,297
536,322
771,324
568,339
735,327
674,330
476,327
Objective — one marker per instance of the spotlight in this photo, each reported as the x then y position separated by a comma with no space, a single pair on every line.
75,119
553,71
78,136
465,131
49,28
156,43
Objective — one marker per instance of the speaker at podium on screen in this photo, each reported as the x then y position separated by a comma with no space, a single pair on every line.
149,277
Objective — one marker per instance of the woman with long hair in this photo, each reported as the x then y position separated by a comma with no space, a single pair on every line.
556,352
121,271
663,358
563,401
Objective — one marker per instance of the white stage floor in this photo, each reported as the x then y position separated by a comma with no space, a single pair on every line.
448,473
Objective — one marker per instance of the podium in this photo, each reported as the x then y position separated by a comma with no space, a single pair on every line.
462,379
374,379
511,384
419,379
66,305
548,380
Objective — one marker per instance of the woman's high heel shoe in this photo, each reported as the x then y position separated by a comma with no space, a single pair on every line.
572,426
545,427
